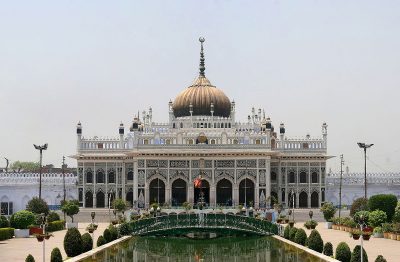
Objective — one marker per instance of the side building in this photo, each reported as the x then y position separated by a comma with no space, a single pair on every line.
245,162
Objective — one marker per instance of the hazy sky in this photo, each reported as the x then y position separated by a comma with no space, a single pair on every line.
99,62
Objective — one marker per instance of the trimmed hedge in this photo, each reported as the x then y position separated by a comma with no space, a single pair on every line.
300,237
22,219
359,204
386,203
124,229
328,249
4,222
343,252
377,218
101,241
380,258
6,233
356,255
113,232
73,242
315,241
55,226
292,233
107,235
56,255
87,242
29,258
286,232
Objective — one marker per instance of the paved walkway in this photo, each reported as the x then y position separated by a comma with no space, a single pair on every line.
390,249
17,249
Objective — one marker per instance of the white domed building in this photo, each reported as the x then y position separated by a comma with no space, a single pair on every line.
238,162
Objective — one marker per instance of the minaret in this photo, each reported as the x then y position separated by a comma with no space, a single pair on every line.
171,112
325,134
202,65
121,135
79,135
282,132
191,114
150,116
233,110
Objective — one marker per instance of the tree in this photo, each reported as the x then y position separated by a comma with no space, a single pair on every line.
37,206
87,242
380,258
29,258
343,252
359,204
101,241
119,204
70,208
73,242
384,202
300,237
328,249
356,255
27,166
315,241
329,210
56,255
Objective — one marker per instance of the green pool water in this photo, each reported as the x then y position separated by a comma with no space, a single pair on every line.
231,249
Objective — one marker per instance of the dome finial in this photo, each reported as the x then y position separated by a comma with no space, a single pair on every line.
202,66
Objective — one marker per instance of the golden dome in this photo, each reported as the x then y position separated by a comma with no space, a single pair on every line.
200,96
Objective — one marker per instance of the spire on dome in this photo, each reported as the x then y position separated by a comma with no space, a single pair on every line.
202,66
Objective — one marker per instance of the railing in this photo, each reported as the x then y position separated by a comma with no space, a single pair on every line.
210,221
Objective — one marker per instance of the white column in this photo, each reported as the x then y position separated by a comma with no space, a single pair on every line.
135,182
268,178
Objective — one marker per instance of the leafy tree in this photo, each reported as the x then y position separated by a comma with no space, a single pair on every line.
56,255
113,232
28,166
356,255
292,233
53,216
4,222
315,241
73,242
300,237
101,241
37,206
343,252
359,204
107,235
70,208
329,210
29,258
22,219
384,202
377,218
87,242
120,205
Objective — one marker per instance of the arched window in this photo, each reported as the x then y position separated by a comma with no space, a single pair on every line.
314,177
111,176
173,125
100,176
129,176
273,176
292,178
212,141
89,177
235,141
145,141
258,141
168,142
181,125
303,177
190,141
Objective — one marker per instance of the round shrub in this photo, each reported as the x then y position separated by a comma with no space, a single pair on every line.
113,232
286,232
56,255
315,241
329,210
359,204
29,258
363,213
328,249
22,219
101,241
4,222
53,216
73,242
386,203
356,255
124,229
107,235
300,237
380,258
87,242
292,233
377,218
343,252
37,206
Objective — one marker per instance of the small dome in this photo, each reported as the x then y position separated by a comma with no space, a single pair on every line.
200,95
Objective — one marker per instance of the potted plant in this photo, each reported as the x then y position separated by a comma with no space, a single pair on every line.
378,232
71,208
91,228
396,230
35,229
366,235
335,223
20,221
356,233
291,223
41,237
386,228
329,210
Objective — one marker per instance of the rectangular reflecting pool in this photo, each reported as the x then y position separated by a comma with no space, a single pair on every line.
232,249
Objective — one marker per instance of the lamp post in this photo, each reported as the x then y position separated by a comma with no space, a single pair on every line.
365,146
43,217
93,215
361,223
40,148
340,183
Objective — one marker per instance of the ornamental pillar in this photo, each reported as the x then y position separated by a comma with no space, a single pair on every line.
212,196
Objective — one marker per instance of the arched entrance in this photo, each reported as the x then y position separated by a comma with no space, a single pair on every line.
205,188
224,192
129,198
314,199
292,199
179,189
246,192
157,191
303,199
100,199
88,199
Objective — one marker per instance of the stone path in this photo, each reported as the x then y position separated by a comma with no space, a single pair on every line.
17,249
390,249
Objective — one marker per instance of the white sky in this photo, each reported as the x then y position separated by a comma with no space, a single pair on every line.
304,62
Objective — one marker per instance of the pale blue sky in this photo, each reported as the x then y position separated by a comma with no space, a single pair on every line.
304,62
